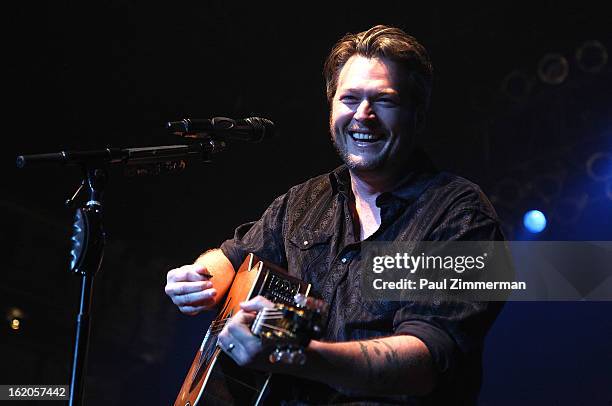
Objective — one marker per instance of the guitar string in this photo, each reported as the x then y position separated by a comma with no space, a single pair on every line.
216,331
274,316
217,322
218,325
210,349
221,322
207,353
284,330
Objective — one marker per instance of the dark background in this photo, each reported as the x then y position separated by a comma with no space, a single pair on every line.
90,75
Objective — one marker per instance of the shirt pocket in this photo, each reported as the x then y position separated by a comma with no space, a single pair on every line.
306,249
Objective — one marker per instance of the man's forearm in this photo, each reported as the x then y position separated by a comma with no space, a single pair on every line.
221,269
216,262
385,366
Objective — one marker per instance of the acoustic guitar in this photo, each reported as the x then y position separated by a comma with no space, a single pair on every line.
214,378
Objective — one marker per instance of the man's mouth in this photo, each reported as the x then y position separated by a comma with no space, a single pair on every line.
365,136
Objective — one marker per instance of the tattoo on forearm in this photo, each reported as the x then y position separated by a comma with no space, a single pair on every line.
364,351
389,370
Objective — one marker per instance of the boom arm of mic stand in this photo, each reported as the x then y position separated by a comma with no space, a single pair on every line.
126,156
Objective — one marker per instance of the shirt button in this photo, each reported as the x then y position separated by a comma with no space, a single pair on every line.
344,260
305,242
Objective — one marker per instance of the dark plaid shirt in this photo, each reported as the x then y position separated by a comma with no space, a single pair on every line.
311,232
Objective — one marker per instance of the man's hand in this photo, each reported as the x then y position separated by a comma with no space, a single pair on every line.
395,365
191,288
236,339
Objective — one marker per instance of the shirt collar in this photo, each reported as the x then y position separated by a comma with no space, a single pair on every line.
413,185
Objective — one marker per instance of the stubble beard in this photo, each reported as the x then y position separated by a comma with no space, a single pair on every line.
355,163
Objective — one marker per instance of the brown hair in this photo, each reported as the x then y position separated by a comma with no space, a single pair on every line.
383,42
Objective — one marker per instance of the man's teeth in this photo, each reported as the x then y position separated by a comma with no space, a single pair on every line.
363,136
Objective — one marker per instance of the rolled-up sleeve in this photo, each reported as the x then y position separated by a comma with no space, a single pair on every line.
454,331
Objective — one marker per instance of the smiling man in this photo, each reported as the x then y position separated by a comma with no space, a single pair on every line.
373,125
373,119
377,352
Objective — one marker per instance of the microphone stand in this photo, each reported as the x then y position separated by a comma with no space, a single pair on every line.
87,254
89,238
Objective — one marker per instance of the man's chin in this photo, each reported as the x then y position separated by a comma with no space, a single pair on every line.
359,165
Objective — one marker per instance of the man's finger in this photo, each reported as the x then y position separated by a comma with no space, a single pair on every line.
234,341
202,270
194,273
244,318
256,304
183,288
186,273
191,310
239,326
204,298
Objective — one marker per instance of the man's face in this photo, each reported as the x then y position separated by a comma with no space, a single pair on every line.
372,121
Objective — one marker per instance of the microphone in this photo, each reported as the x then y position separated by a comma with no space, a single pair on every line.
252,129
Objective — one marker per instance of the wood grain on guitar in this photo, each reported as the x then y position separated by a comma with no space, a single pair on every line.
214,378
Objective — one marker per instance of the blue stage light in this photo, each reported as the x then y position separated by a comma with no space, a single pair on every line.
534,221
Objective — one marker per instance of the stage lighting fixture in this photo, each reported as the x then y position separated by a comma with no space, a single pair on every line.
599,166
516,85
592,56
15,317
534,221
553,69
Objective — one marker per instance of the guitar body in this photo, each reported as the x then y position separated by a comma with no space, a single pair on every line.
214,378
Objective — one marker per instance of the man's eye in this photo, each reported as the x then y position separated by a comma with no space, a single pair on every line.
348,99
388,101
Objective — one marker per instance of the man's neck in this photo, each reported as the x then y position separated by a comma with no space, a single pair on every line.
366,190
368,186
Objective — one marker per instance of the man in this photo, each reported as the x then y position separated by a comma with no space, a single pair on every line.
378,86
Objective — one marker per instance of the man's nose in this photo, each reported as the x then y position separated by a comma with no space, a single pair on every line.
364,111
